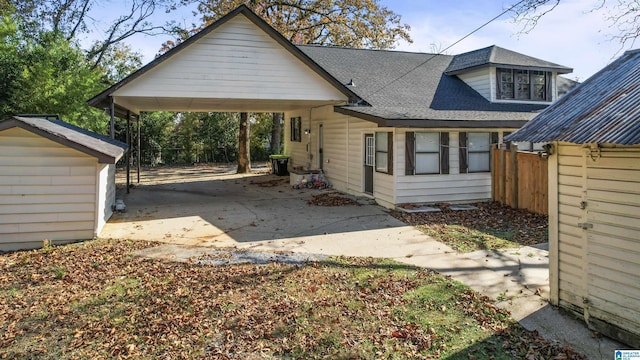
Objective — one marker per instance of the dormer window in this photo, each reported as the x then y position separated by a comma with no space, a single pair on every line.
528,85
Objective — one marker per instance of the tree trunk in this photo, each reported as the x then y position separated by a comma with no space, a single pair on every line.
276,131
244,167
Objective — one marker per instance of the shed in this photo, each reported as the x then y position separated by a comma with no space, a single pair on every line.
57,182
593,137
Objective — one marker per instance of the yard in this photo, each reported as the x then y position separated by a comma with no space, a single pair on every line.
97,300
491,226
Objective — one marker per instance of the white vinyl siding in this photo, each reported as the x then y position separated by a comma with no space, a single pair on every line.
343,152
47,191
480,81
452,187
237,60
599,266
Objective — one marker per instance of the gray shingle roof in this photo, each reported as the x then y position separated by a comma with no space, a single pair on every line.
403,86
105,149
497,56
603,109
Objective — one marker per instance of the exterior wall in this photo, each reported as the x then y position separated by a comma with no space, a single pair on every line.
480,81
47,191
105,194
599,263
238,60
452,187
343,151
343,160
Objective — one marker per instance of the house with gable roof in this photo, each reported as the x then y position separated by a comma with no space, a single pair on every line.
396,126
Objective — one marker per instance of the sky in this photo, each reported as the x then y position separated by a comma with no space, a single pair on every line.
570,35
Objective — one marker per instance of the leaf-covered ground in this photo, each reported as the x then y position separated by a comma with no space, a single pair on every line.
491,226
97,301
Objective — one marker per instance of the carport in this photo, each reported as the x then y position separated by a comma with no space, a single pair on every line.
237,64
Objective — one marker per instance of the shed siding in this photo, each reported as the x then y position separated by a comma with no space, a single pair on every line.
105,194
480,81
571,244
47,191
235,61
613,252
599,267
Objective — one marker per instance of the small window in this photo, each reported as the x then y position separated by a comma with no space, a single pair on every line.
296,129
384,152
427,150
523,85
479,152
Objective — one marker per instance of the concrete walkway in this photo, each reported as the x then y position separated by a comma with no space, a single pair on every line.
195,212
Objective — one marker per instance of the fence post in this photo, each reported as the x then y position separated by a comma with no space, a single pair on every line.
514,175
502,165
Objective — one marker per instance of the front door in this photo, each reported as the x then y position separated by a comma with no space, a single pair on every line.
369,162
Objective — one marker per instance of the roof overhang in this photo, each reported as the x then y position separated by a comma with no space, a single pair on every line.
559,69
432,123
104,157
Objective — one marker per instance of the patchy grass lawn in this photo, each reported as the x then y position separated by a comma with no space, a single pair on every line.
97,301
492,226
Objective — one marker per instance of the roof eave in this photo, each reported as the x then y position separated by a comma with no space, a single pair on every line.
102,157
557,69
432,123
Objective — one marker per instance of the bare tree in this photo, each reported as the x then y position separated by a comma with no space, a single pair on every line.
623,16
71,18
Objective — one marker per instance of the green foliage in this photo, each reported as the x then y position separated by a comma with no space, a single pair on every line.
47,74
260,136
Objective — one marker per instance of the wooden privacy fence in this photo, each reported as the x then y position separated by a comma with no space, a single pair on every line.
520,180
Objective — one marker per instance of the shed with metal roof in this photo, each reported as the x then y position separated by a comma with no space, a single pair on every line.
57,182
594,198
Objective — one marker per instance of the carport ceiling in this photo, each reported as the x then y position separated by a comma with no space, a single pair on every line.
217,104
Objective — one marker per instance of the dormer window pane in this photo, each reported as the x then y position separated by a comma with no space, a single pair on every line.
506,84
539,85
524,88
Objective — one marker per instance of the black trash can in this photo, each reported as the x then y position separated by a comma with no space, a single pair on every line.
279,164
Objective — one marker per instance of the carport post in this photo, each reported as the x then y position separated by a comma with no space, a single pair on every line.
138,154
112,123
128,132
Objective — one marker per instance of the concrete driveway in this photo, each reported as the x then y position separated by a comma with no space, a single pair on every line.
212,206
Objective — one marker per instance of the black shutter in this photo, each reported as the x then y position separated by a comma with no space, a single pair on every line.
495,138
464,165
390,153
444,153
410,153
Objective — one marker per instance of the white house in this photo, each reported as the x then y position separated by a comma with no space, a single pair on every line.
594,198
57,182
396,126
